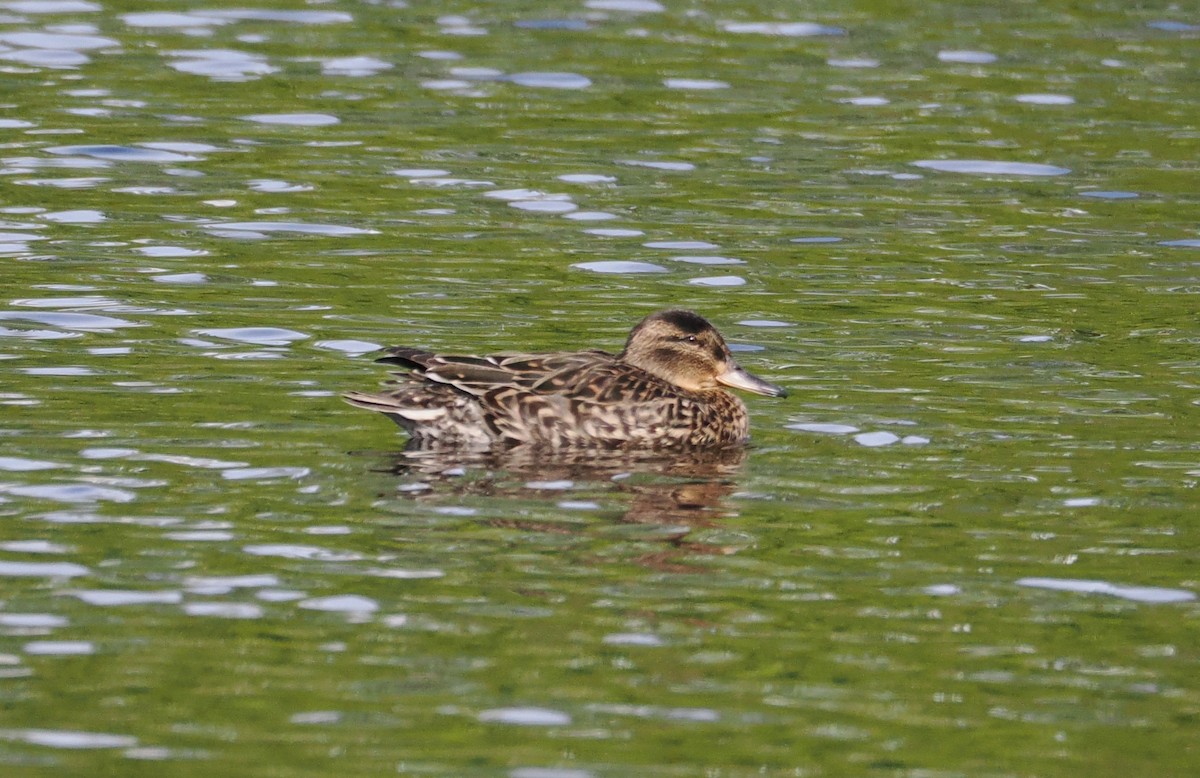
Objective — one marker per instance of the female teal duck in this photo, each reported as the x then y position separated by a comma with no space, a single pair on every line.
663,390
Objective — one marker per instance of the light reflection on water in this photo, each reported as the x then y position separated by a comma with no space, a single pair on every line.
971,517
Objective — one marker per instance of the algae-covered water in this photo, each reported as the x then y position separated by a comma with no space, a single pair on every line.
964,237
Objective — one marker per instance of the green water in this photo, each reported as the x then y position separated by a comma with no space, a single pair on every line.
964,546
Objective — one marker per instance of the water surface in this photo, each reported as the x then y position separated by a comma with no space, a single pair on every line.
963,237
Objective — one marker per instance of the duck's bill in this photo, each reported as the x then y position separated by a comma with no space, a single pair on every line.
738,378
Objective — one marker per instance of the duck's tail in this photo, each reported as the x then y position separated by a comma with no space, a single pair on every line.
432,414
407,415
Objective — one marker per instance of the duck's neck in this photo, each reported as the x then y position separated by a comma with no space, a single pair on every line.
658,363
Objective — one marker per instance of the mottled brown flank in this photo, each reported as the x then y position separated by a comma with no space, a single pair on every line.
659,392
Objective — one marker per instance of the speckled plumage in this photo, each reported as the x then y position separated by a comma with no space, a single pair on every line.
665,389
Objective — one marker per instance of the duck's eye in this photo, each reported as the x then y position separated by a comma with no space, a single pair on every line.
691,339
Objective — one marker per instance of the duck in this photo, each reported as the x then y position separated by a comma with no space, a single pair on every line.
666,389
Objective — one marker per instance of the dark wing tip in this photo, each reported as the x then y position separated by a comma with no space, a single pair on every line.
405,357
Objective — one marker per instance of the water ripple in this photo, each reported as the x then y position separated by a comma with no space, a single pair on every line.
22,465
50,6
200,536
72,493
27,164
587,178
76,216
967,57
852,62
609,232
124,153
221,64
259,336
215,585
294,119
68,739
823,427
121,597
341,603
259,473
544,206
626,6
204,463
694,83
354,66
34,547
526,717
784,29
46,58
633,639
548,80
291,551
1148,594
170,252
57,40
991,167
155,19
876,439
41,569
620,266
302,228
224,610
180,278
718,281
32,620
404,574
1045,99
708,260
264,15
526,195
59,648
658,164
590,216
682,245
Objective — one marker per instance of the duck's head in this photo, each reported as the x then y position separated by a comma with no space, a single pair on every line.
683,348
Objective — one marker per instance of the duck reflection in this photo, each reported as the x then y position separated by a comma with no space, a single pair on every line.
679,490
